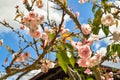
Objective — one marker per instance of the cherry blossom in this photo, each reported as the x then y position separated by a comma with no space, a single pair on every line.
35,34
21,57
83,63
87,71
84,52
116,35
32,20
93,37
77,14
108,20
46,65
76,45
86,29
81,1
22,27
63,30
95,60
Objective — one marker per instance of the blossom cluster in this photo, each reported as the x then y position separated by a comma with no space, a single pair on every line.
108,20
46,65
21,57
85,52
107,76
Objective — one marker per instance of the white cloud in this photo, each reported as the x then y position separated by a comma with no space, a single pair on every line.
7,12
103,50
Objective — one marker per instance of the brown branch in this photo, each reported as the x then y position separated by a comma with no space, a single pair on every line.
36,47
13,71
69,13
4,23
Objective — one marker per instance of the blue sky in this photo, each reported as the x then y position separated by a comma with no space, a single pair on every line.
12,39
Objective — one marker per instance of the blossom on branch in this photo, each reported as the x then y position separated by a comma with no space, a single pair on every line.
108,20
84,52
86,29
21,57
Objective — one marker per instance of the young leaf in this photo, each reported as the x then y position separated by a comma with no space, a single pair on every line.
63,60
105,30
116,23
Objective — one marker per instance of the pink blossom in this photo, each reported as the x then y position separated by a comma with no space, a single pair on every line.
21,57
35,34
110,74
95,60
32,20
25,20
76,45
83,63
81,1
77,14
87,42
110,79
84,52
86,29
44,68
93,38
1,42
45,38
63,30
108,20
48,30
33,26
102,78
26,55
46,65
18,57
87,71
32,14
22,27
116,35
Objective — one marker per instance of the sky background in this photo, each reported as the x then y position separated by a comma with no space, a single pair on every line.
7,12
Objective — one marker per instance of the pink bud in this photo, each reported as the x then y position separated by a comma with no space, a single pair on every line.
22,27
77,14
88,71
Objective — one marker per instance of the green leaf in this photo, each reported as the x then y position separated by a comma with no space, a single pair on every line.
9,49
118,50
63,60
51,36
69,46
97,17
90,79
114,47
96,30
105,29
108,48
117,23
71,58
